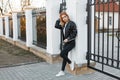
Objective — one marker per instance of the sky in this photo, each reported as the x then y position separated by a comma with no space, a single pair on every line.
16,4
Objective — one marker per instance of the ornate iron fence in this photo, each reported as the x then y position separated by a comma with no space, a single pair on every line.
103,36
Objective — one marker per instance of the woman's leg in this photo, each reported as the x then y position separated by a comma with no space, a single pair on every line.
63,64
64,55
66,49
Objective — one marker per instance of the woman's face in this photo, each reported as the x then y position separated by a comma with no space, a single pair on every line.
65,18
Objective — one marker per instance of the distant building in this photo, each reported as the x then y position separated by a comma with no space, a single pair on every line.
107,14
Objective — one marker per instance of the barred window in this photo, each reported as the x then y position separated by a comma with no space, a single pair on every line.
104,1
110,20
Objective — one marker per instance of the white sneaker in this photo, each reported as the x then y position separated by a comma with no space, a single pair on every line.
61,73
72,66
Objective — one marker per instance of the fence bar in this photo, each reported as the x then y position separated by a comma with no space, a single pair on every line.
113,35
98,29
103,38
108,31
95,28
118,52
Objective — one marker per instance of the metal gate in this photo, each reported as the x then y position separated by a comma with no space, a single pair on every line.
104,36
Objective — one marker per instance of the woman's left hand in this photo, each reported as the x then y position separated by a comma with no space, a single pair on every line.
66,40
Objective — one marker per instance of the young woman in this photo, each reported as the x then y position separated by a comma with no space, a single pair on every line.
69,31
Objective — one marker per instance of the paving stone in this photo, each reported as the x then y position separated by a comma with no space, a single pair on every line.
45,71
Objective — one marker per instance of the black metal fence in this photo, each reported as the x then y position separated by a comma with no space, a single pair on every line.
104,36
10,27
22,27
3,26
40,29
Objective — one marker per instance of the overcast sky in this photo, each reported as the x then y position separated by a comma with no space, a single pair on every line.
16,4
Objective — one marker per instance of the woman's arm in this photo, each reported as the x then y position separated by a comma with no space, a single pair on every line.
73,31
57,24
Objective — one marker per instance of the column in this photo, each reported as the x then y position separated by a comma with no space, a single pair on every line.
29,29
77,12
15,26
7,26
53,35
1,26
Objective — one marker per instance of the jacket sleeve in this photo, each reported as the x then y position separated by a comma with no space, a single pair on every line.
73,32
57,24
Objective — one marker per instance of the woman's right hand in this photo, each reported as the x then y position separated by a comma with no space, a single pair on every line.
62,24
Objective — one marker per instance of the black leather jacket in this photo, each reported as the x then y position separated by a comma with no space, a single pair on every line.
70,30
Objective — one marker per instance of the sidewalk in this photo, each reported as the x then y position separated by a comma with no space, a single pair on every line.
44,71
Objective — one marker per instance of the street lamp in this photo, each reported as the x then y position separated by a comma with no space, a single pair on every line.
63,6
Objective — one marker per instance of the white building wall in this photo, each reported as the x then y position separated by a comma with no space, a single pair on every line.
106,20
53,35
77,12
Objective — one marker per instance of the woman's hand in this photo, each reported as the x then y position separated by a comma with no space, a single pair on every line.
62,24
66,40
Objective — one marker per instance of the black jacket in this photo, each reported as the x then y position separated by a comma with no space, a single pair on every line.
70,30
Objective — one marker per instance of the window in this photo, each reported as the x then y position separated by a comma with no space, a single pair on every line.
104,1
110,20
